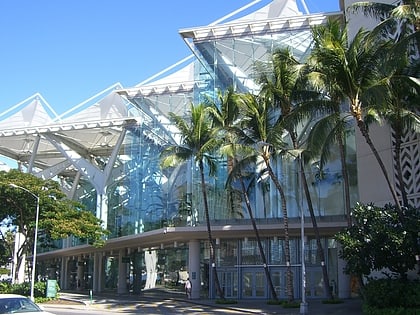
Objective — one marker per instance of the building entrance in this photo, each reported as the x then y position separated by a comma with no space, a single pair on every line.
253,284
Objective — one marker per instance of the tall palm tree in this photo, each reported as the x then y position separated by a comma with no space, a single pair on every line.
282,83
198,142
355,69
401,23
226,115
261,131
402,114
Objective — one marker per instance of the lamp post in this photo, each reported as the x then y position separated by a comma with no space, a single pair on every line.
35,238
303,305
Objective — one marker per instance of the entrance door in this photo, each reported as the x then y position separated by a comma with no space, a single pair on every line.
229,283
253,284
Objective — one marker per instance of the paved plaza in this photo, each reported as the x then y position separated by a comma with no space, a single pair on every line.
149,297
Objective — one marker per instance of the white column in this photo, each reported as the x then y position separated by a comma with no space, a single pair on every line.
100,272
194,267
102,208
122,273
64,279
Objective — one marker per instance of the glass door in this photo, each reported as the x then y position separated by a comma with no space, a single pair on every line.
254,284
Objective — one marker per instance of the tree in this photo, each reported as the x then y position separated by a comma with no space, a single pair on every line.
403,13
226,116
282,82
261,131
199,142
355,70
58,217
401,23
380,239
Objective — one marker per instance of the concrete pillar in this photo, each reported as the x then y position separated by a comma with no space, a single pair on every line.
101,272
80,273
64,272
194,267
97,272
122,273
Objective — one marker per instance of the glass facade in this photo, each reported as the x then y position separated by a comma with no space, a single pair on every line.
140,197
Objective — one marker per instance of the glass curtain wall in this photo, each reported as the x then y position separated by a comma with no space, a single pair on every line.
229,62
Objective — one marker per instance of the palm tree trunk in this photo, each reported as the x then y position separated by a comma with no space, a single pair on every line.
257,235
365,133
289,275
320,248
219,290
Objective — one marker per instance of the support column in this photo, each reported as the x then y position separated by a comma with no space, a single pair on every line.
97,272
101,272
122,273
80,273
64,279
194,267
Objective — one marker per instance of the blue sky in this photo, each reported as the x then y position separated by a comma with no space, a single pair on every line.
69,50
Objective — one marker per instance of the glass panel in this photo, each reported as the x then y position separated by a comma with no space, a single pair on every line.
111,272
229,283
276,277
260,284
228,253
277,251
311,253
250,253
314,283
247,284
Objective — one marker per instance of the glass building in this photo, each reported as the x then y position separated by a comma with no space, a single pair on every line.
105,153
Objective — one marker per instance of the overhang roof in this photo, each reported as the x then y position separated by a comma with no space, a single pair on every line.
91,131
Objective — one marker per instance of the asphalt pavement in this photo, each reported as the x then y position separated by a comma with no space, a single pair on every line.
112,300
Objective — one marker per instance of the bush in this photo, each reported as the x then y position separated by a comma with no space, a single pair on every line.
332,301
25,289
370,310
392,294
226,301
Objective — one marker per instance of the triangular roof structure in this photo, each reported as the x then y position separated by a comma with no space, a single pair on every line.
33,134
34,111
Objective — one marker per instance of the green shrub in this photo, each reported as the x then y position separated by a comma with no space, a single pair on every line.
371,310
226,301
5,287
293,304
25,289
392,293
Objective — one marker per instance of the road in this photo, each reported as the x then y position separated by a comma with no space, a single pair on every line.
146,307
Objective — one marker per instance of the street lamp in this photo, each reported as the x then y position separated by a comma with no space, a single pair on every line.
35,238
303,305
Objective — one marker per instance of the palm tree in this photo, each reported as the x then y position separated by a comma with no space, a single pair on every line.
401,113
226,116
260,130
282,83
401,22
355,70
405,11
198,142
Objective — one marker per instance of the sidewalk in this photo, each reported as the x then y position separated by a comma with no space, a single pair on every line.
109,301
